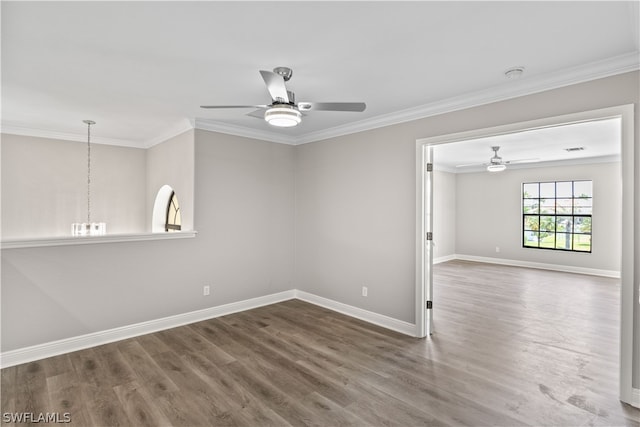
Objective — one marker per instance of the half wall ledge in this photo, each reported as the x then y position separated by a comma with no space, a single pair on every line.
90,240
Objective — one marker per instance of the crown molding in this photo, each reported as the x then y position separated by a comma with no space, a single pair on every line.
508,90
444,168
178,128
226,128
13,129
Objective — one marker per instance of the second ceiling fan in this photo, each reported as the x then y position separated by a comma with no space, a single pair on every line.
496,164
283,110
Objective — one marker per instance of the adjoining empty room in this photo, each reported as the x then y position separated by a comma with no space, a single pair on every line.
529,194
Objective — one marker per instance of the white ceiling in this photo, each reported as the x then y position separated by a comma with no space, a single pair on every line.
599,140
142,69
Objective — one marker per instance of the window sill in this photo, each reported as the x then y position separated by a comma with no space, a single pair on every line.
90,240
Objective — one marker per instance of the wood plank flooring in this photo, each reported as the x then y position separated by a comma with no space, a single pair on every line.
512,347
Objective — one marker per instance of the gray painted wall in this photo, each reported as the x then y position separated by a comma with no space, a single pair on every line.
476,212
244,216
444,213
44,187
489,215
172,163
355,221
244,249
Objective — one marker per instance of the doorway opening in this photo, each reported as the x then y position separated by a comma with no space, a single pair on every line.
426,306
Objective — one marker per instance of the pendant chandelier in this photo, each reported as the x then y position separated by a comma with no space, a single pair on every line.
88,228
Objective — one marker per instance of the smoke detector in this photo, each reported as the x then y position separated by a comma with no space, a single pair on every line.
514,73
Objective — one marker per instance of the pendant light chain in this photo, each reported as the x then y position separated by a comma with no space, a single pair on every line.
89,173
89,123
88,228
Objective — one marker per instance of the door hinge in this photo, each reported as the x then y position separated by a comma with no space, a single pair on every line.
429,235
429,305
429,167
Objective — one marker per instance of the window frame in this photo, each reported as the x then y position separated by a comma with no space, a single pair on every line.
169,223
573,217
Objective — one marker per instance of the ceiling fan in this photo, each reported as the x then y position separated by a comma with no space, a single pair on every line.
496,164
283,110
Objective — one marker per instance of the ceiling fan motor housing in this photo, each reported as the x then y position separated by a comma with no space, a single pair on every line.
285,72
292,97
496,160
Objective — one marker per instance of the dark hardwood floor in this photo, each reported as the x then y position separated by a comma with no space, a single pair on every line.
512,347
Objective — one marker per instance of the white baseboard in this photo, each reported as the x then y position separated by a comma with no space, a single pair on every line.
359,313
539,265
54,348
67,345
445,258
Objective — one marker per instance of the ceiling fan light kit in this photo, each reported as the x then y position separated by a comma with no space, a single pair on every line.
496,167
284,116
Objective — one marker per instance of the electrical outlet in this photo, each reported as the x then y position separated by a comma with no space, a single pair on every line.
206,290
365,291
497,249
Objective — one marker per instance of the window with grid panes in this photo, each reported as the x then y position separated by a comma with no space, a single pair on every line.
557,215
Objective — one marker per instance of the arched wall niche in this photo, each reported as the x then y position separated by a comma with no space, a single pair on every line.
162,220
159,217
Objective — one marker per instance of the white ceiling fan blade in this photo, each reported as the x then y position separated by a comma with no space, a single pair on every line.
259,113
471,164
233,106
513,162
332,106
275,86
